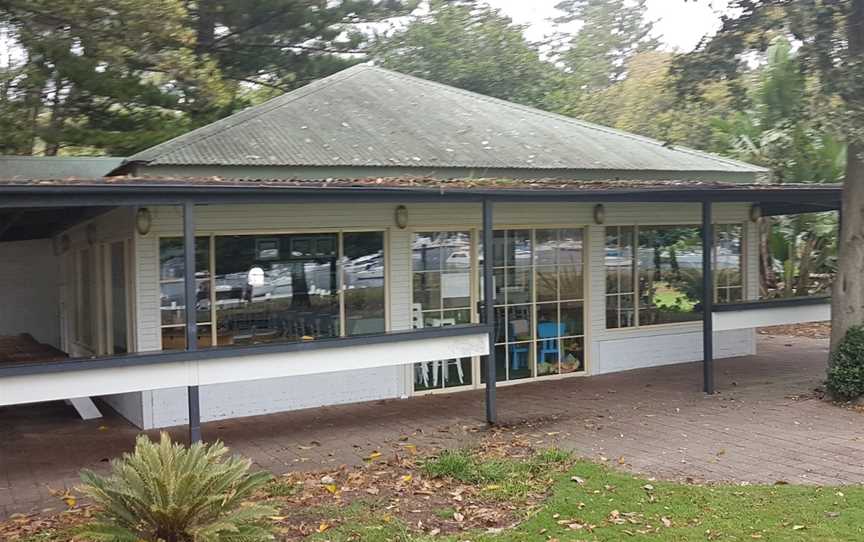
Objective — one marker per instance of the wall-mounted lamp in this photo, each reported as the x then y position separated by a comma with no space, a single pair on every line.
143,221
599,214
401,216
755,212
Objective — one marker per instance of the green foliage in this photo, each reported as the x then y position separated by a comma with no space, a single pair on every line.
846,369
168,492
612,32
474,48
94,79
503,478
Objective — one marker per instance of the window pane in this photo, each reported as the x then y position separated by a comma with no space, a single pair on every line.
572,355
546,252
518,252
548,355
456,289
571,284
547,320
363,276
518,285
426,252
427,290
520,323
547,283
456,251
173,302
500,365
520,359
670,274
619,263
277,287
570,248
171,258
572,315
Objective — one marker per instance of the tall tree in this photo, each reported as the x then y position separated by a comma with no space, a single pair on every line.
612,32
831,38
473,47
122,76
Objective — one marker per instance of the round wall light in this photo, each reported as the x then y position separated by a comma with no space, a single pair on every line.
599,214
755,213
143,221
401,216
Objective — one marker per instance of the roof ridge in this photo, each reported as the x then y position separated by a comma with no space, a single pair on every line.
251,113
549,114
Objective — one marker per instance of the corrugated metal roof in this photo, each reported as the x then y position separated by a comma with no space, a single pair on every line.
369,116
53,167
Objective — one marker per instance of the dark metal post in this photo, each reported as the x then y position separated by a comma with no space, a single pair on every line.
489,310
707,298
191,295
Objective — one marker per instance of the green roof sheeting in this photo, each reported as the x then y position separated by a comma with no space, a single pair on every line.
369,116
56,167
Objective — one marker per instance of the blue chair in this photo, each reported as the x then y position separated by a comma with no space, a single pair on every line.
518,356
518,352
547,340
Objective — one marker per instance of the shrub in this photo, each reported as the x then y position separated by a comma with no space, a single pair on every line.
168,492
846,371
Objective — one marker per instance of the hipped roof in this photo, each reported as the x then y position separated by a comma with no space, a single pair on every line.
369,116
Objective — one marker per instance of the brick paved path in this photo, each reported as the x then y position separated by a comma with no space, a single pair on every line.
760,428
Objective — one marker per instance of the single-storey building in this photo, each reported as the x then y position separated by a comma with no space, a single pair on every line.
344,237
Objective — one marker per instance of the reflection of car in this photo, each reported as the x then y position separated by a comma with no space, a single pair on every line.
460,258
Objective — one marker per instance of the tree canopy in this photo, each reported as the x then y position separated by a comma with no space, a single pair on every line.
90,76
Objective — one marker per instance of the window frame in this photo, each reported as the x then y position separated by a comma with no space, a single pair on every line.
474,300
211,235
635,292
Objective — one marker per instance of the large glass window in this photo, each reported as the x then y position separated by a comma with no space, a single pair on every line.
662,284
274,288
539,302
442,277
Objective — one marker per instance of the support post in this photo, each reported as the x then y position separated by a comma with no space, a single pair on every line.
489,310
707,298
191,296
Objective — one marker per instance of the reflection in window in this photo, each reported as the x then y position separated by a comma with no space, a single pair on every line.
441,276
173,292
363,282
276,288
539,302
620,273
668,273
728,263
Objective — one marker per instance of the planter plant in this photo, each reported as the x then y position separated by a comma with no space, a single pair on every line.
167,492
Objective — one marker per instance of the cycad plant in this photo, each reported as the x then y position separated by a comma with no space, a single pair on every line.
166,492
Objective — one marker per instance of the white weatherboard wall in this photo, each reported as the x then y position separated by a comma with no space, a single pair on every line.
30,290
609,350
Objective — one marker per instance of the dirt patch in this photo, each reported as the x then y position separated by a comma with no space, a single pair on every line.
392,486
811,330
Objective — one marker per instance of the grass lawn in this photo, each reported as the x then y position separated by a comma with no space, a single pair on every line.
508,491
593,502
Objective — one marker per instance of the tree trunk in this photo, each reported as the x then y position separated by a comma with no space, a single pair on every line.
847,305
768,280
